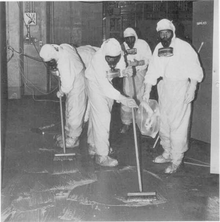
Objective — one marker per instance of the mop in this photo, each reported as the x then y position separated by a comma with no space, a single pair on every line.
138,196
64,155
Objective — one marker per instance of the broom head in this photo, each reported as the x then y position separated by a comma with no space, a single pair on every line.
142,196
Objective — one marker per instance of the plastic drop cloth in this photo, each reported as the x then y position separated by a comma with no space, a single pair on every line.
147,118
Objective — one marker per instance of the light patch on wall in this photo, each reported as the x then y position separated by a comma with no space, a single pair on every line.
202,23
30,18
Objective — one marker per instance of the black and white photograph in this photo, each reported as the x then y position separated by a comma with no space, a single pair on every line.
109,110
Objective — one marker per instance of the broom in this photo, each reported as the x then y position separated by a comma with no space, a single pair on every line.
138,196
64,155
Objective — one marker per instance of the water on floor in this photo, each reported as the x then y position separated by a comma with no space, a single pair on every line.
36,188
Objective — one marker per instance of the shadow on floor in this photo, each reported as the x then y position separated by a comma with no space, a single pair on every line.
36,188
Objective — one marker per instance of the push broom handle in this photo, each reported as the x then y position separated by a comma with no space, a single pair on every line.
137,153
135,139
62,123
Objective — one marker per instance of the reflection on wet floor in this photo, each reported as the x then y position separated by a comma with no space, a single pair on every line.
36,188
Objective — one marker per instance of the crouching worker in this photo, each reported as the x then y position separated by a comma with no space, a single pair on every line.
107,63
71,71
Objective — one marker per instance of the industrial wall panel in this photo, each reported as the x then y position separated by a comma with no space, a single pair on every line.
203,42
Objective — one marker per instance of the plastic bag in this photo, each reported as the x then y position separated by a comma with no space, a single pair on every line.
147,118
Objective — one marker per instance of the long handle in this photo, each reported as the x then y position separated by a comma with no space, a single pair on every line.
62,124
135,136
137,152
155,143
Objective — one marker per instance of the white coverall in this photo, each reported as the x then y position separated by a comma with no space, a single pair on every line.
176,72
86,53
143,53
101,95
72,76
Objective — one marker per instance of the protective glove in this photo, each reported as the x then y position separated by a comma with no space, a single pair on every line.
128,102
190,94
60,94
140,93
127,72
133,63
147,91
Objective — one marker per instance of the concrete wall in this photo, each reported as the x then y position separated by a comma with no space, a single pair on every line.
3,81
76,23
92,24
34,75
13,30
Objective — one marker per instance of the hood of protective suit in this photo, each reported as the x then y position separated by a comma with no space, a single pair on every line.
111,47
130,32
49,52
165,24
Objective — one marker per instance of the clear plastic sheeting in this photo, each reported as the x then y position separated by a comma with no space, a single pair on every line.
147,118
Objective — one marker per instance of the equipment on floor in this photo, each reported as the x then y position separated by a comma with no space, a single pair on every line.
138,196
64,155
42,130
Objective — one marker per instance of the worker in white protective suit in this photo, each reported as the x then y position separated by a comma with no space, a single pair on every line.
177,63
137,55
107,63
71,71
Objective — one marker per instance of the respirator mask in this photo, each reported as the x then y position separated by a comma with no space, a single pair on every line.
112,62
131,51
52,64
130,40
165,37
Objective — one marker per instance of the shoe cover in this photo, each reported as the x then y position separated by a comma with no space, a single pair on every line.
161,159
172,168
106,161
147,118
125,128
91,150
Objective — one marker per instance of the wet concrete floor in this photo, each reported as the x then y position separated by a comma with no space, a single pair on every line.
36,188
